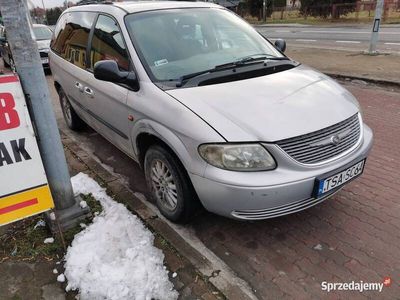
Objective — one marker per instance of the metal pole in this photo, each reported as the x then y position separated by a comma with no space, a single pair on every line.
44,17
375,27
264,11
29,67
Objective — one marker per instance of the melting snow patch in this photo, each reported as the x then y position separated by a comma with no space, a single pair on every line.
55,271
61,278
83,204
49,240
318,247
114,257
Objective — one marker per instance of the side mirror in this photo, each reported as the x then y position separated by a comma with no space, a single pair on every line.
280,44
107,70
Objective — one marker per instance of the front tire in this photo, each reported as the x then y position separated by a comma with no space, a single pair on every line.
73,121
169,185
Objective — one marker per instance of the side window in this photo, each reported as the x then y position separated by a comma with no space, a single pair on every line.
57,42
108,44
71,37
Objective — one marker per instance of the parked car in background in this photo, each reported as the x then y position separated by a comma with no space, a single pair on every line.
208,107
42,34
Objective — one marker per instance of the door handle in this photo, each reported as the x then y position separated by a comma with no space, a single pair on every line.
79,86
89,92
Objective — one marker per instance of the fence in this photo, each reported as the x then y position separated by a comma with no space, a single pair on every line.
356,11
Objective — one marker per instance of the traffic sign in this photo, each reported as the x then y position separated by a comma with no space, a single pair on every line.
24,190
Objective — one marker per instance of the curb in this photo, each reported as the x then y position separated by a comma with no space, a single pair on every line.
206,263
326,24
296,25
386,83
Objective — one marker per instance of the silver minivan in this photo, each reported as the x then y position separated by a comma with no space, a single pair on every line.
215,113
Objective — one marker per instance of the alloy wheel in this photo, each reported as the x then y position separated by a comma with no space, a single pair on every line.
163,184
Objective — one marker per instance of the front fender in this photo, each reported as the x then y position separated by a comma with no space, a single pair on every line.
184,147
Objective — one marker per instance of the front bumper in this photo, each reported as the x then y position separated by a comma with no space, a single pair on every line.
268,194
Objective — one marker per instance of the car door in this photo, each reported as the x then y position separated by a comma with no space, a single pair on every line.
106,101
71,38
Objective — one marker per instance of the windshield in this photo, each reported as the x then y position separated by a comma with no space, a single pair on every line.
42,33
174,43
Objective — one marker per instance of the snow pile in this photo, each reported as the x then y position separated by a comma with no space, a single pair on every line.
114,258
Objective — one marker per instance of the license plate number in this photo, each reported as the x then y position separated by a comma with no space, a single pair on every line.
337,180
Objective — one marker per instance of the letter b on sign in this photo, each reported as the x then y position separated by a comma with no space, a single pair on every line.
8,115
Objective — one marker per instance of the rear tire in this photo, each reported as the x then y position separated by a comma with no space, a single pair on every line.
5,63
74,122
169,185
12,65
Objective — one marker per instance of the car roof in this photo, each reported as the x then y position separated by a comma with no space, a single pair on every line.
138,6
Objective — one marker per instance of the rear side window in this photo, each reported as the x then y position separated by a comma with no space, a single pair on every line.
108,44
56,42
71,37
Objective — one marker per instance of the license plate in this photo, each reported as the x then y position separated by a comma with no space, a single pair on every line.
45,60
337,180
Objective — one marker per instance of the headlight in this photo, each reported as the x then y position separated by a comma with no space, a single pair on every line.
237,157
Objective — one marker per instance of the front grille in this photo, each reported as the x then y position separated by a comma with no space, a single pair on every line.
316,147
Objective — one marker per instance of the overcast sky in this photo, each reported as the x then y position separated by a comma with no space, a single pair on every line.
49,3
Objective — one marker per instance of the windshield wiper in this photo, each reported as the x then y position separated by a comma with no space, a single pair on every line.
259,57
192,75
234,64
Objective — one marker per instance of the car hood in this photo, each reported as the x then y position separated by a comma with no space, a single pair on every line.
272,107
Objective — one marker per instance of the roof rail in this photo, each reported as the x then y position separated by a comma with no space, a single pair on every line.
87,2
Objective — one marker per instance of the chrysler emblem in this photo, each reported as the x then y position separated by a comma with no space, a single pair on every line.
333,140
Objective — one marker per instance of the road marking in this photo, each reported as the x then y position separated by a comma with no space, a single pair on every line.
348,42
349,32
397,44
305,40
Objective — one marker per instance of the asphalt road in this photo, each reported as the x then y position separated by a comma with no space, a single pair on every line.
352,236
346,37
